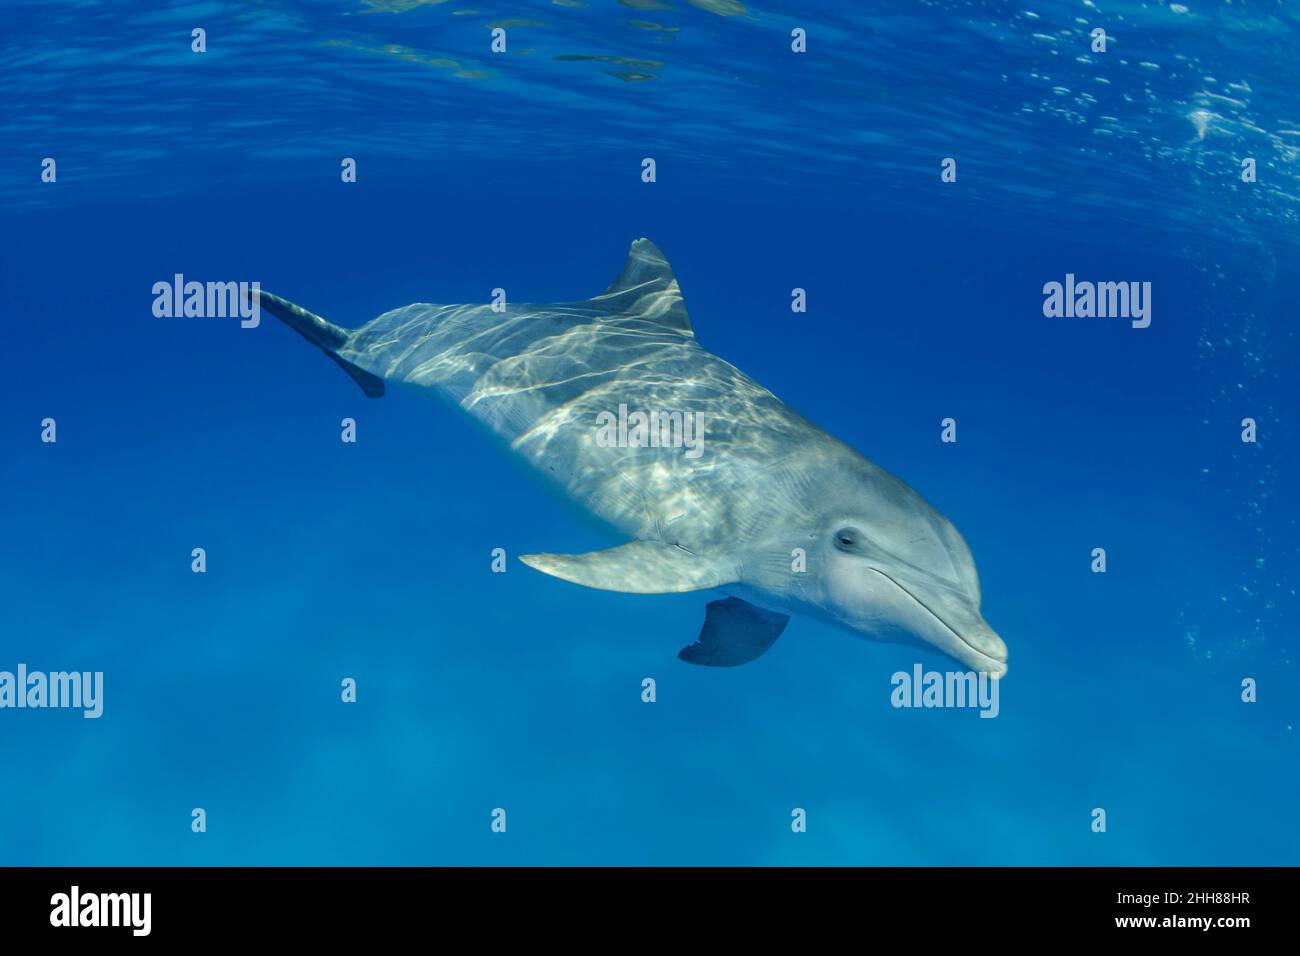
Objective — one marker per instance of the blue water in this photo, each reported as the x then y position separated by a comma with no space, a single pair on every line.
522,170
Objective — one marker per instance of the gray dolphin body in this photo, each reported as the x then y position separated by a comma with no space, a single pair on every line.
769,508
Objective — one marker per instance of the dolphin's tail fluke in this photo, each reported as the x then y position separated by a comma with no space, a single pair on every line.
323,334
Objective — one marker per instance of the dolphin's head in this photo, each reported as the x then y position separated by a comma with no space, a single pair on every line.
887,566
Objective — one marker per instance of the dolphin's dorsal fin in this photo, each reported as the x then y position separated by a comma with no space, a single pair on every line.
648,288
638,567
735,632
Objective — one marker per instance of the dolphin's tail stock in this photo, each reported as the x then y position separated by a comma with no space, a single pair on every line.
323,334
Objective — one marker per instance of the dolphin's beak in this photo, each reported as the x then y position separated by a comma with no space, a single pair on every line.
980,647
956,626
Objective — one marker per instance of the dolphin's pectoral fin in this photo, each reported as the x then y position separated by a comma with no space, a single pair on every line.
735,632
638,567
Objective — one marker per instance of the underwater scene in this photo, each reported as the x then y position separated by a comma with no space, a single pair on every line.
747,434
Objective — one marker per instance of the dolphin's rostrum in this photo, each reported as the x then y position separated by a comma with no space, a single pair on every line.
775,512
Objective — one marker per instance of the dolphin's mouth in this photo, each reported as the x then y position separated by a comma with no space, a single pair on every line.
959,647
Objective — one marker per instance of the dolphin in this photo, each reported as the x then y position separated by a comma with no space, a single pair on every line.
763,505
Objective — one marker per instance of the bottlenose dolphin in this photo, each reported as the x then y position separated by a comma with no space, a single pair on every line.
768,508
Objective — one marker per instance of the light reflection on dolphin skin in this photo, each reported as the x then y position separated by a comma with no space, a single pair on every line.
878,559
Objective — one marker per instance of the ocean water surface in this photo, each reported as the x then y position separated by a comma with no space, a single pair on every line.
523,170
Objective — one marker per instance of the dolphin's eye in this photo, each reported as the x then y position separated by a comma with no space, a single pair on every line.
847,539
